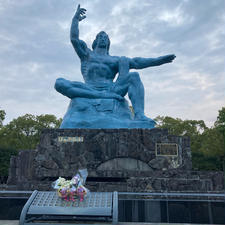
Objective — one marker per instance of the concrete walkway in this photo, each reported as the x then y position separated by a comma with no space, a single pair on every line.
16,222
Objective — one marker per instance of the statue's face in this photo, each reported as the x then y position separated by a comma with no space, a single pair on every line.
103,40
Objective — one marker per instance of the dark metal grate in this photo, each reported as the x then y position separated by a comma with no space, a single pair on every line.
96,203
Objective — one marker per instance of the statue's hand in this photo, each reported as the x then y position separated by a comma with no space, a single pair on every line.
168,58
80,13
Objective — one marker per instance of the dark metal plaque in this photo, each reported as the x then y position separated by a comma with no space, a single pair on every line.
166,149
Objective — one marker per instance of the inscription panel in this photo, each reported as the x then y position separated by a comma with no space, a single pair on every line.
70,139
166,149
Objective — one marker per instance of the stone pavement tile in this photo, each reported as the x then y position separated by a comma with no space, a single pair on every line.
9,222
16,222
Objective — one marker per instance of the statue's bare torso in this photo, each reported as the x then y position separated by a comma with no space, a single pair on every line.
97,69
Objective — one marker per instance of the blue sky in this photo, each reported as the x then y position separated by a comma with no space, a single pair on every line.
35,50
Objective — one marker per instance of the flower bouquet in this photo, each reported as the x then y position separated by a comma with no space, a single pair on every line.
70,190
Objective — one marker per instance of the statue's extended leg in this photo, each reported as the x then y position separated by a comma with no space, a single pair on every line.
78,89
136,95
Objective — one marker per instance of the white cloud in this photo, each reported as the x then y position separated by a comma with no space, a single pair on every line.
174,17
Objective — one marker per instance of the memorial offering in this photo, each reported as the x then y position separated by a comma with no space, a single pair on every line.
73,189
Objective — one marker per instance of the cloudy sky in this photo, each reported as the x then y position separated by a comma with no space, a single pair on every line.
35,50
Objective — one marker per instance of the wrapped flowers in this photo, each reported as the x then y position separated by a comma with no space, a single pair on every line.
69,190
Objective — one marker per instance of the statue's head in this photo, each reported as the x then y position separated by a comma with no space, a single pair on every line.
101,41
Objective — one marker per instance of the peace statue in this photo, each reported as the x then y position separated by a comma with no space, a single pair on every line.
100,102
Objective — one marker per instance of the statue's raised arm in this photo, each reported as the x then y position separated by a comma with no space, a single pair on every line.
100,101
141,63
79,45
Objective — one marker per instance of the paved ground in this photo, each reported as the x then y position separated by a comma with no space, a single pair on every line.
16,222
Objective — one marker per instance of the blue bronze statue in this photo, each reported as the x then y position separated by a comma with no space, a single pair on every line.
100,102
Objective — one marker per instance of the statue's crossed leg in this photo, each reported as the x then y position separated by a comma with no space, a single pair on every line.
127,83
73,89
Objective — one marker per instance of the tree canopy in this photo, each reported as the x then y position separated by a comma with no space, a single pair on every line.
2,117
24,132
220,122
21,133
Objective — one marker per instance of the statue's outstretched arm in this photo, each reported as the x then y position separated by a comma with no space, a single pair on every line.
141,63
79,45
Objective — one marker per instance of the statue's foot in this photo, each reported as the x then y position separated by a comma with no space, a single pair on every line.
142,117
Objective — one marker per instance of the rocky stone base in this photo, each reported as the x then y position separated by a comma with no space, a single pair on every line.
134,160
179,181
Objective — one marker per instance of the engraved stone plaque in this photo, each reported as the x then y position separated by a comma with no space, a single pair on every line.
70,139
166,149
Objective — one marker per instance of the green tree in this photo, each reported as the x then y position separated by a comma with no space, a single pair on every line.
5,155
220,127
210,154
181,127
220,122
24,132
47,121
21,133
2,117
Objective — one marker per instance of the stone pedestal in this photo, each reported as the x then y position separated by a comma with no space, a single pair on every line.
116,159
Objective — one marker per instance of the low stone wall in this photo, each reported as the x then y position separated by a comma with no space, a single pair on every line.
133,160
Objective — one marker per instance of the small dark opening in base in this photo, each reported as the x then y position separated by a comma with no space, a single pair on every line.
3,179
